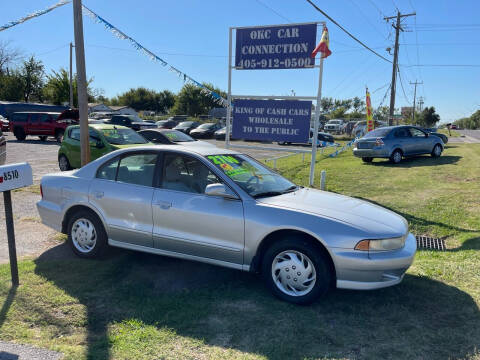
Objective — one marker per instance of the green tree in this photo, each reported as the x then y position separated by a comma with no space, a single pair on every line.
358,104
145,99
428,117
326,104
381,113
57,88
191,101
11,88
32,77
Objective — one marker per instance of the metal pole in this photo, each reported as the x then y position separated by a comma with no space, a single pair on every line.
81,82
394,71
71,77
414,100
12,252
315,127
229,95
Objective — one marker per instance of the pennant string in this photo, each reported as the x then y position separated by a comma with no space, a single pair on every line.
121,35
33,15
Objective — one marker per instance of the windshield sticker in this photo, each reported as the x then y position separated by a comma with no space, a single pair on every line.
171,136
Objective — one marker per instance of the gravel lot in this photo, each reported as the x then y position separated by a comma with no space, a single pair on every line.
10,351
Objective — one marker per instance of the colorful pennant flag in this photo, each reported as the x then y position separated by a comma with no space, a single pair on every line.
370,122
323,45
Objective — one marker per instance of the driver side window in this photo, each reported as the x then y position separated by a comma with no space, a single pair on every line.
185,173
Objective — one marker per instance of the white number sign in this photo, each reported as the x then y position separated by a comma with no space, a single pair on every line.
14,176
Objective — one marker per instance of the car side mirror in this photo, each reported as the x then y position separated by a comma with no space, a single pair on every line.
99,144
220,190
427,135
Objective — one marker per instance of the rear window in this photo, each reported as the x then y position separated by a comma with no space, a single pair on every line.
381,132
123,136
177,136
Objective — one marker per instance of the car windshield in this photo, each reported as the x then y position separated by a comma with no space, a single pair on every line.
123,136
177,136
206,126
380,132
256,179
185,124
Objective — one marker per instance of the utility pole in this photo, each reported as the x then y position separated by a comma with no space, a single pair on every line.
81,82
71,81
420,103
397,28
414,98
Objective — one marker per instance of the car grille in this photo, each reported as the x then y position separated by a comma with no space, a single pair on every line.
365,145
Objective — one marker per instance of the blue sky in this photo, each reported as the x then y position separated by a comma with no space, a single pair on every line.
192,35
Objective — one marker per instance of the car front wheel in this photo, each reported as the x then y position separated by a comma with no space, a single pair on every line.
437,151
296,271
63,163
396,157
86,234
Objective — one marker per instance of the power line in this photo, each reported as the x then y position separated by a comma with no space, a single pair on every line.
53,50
348,33
366,18
273,10
403,90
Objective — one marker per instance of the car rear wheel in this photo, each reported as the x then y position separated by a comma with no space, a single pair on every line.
296,271
86,234
63,163
19,134
59,136
396,157
437,151
367,159
43,138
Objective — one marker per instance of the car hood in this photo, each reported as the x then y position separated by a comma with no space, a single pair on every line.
126,146
359,213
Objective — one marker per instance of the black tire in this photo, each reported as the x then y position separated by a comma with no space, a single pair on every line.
316,256
396,156
101,236
436,151
59,135
19,134
367,159
43,138
63,163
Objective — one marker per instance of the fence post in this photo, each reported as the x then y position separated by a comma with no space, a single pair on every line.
274,164
322,179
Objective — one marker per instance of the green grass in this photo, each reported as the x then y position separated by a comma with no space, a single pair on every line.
138,306
453,133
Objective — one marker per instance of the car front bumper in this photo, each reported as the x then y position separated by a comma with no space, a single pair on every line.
373,153
362,270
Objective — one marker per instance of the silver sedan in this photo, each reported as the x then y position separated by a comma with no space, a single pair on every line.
222,207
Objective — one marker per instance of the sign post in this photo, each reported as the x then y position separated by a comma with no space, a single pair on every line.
13,176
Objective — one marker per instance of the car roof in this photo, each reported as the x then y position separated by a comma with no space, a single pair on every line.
192,148
39,112
103,126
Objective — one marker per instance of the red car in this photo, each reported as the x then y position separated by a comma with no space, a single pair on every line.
42,124
454,127
4,124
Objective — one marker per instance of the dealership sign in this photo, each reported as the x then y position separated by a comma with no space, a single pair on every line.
275,47
273,120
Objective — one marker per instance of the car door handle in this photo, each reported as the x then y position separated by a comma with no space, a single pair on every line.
99,194
165,205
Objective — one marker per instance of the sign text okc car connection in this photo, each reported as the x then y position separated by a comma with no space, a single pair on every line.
275,47
286,120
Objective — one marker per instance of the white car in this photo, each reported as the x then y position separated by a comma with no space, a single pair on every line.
334,125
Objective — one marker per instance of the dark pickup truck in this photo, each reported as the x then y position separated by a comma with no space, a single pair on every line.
42,124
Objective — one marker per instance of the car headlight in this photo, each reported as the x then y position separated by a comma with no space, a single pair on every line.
381,244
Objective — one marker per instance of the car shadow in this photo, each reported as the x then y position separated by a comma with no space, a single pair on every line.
417,161
47,142
232,310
